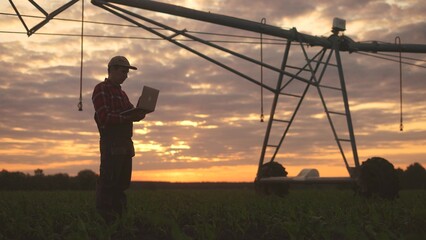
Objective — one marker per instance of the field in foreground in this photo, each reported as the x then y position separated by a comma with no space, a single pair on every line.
215,214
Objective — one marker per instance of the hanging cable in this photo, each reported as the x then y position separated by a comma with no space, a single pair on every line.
398,41
271,40
261,76
406,58
375,55
80,103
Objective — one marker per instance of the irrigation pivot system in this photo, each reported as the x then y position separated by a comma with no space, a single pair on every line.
371,176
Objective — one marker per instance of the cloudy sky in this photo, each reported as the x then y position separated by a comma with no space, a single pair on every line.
206,126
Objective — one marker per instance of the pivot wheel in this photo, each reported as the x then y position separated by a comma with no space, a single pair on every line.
272,169
378,177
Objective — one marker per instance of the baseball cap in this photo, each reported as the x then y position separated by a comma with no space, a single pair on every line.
120,61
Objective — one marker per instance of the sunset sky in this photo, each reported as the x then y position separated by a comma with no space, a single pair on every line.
206,126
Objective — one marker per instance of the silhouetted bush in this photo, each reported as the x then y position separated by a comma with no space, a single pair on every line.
378,178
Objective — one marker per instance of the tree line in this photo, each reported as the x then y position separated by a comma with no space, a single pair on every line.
413,177
85,180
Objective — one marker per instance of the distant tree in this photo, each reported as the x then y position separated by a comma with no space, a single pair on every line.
38,181
86,180
414,177
59,181
38,172
400,174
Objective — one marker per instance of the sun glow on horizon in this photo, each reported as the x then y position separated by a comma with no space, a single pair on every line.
213,174
241,173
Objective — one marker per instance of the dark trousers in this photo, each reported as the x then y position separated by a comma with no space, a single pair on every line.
114,179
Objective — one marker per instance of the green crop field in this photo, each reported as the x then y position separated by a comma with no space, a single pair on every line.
215,214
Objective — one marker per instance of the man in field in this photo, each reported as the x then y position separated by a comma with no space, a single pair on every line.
116,146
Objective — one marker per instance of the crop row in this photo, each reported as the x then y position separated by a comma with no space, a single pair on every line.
214,214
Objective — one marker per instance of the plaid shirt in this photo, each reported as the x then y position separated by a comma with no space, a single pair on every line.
109,100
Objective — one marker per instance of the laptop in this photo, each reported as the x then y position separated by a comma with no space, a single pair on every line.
146,103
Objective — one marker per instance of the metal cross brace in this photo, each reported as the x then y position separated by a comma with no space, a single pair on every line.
48,16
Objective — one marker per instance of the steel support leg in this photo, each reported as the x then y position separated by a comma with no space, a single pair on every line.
273,107
346,104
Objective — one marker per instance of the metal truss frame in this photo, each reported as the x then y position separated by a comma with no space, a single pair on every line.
316,66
